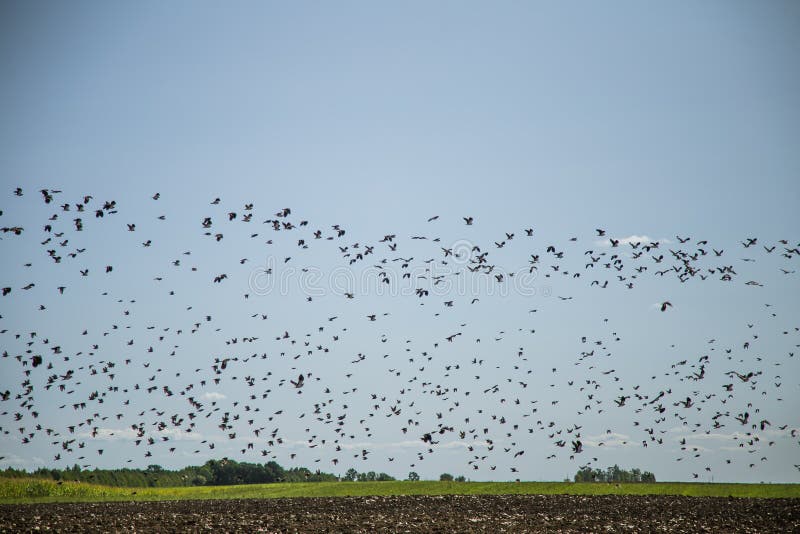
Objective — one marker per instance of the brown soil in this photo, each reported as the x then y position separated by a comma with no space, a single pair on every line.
452,513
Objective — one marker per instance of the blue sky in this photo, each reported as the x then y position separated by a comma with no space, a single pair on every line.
643,120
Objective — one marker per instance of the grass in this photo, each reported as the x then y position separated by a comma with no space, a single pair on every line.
27,490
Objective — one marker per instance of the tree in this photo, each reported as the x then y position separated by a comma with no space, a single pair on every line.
446,477
213,472
351,475
613,474
274,471
413,476
461,478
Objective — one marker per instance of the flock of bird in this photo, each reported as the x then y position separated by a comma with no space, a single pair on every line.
84,362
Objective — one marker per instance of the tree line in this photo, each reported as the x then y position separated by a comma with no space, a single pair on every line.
223,472
613,474
227,472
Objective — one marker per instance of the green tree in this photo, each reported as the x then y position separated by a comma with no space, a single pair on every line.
585,474
613,474
413,476
213,472
351,475
446,477
274,471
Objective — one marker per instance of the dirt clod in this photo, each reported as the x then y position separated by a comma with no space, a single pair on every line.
452,513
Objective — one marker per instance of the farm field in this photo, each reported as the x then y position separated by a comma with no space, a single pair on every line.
28,491
416,513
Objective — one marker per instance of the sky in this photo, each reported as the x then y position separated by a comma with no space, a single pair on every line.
650,122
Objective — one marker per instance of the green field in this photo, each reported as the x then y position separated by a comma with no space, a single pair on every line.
18,491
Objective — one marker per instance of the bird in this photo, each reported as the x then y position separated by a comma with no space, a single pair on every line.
167,331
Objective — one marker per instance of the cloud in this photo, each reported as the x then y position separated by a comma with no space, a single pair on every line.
693,448
212,396
779,432
12,460
711,436
611,439
128,434
608,435
715,436
408,444
181,435
631,239
110,434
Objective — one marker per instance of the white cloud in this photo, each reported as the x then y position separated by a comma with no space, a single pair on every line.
693,448
181,435
128,434
711,436
608,435
631,239
779,432
408,444
612,439
110,434
12,460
